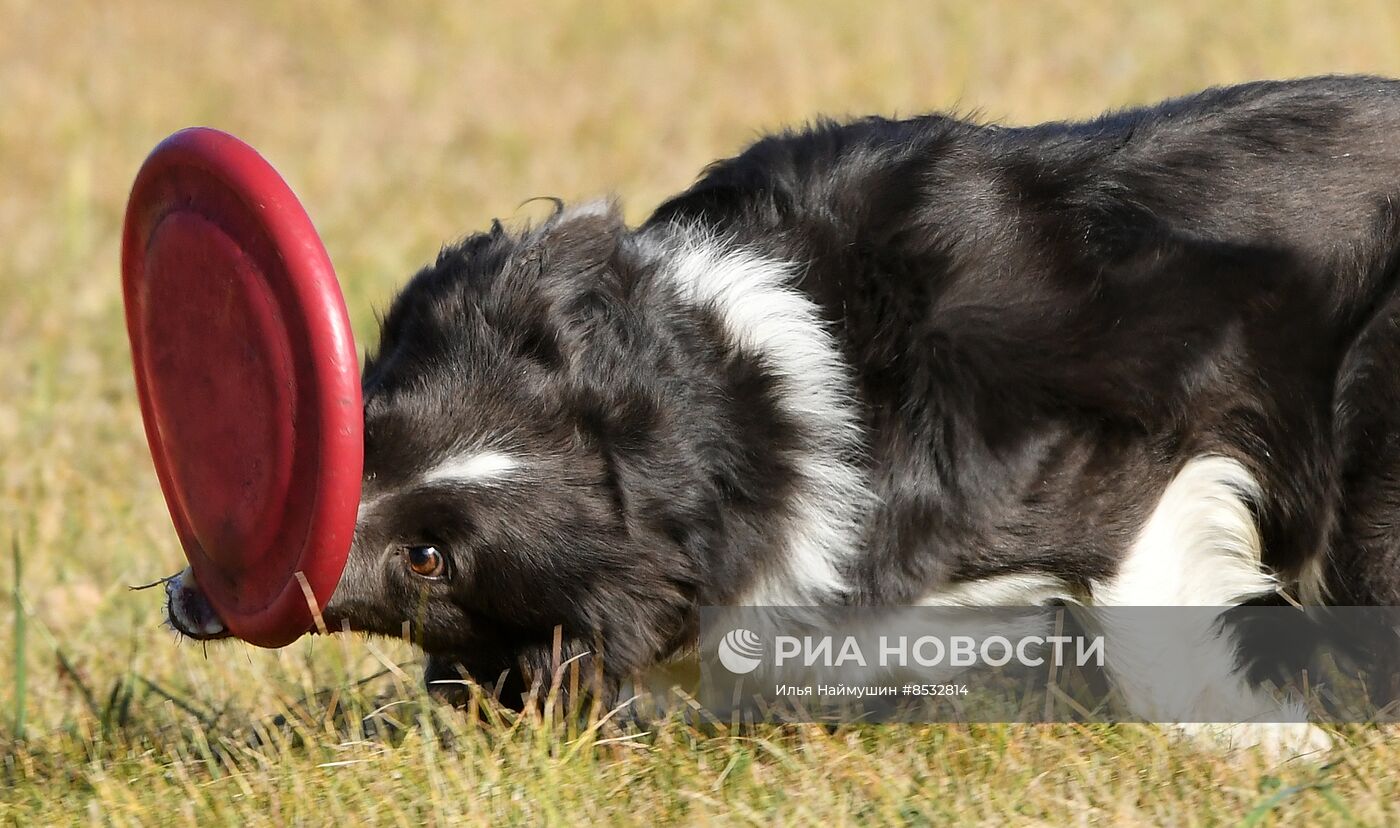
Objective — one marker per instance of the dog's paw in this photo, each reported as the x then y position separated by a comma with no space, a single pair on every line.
1279,742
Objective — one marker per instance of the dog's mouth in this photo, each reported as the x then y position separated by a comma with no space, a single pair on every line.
188,611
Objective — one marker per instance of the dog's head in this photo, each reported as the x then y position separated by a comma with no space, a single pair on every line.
520,460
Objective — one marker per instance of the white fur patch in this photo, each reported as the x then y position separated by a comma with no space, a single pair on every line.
768,319
1277,741
1199,548
475,468
1020,590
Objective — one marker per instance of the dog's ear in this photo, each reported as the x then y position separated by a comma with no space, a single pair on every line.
581,240
560,284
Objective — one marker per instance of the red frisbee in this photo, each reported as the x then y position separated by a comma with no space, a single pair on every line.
247,377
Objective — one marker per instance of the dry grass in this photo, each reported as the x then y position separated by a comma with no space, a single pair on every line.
401,129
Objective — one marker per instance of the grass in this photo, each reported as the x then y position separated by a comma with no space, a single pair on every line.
401,128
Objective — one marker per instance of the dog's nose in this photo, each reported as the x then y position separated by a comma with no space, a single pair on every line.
188,612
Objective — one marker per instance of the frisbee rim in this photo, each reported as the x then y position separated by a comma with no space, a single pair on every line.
315,318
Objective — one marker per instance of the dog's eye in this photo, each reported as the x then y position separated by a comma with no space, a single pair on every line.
425,561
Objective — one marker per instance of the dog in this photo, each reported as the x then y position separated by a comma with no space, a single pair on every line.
1148,359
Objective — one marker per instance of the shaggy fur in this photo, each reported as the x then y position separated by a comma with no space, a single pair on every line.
1149,358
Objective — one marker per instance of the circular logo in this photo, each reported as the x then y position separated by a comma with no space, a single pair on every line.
740,651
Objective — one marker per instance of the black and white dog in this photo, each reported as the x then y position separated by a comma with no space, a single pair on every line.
1147,359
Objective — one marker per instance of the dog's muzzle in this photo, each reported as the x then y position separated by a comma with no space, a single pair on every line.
188,611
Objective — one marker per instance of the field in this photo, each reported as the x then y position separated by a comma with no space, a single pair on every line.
401,130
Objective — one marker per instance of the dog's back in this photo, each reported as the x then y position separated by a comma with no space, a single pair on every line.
1048,323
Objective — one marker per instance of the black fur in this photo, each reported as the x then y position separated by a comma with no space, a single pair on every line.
1044,324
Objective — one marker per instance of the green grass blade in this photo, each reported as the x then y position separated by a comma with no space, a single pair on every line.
21,674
